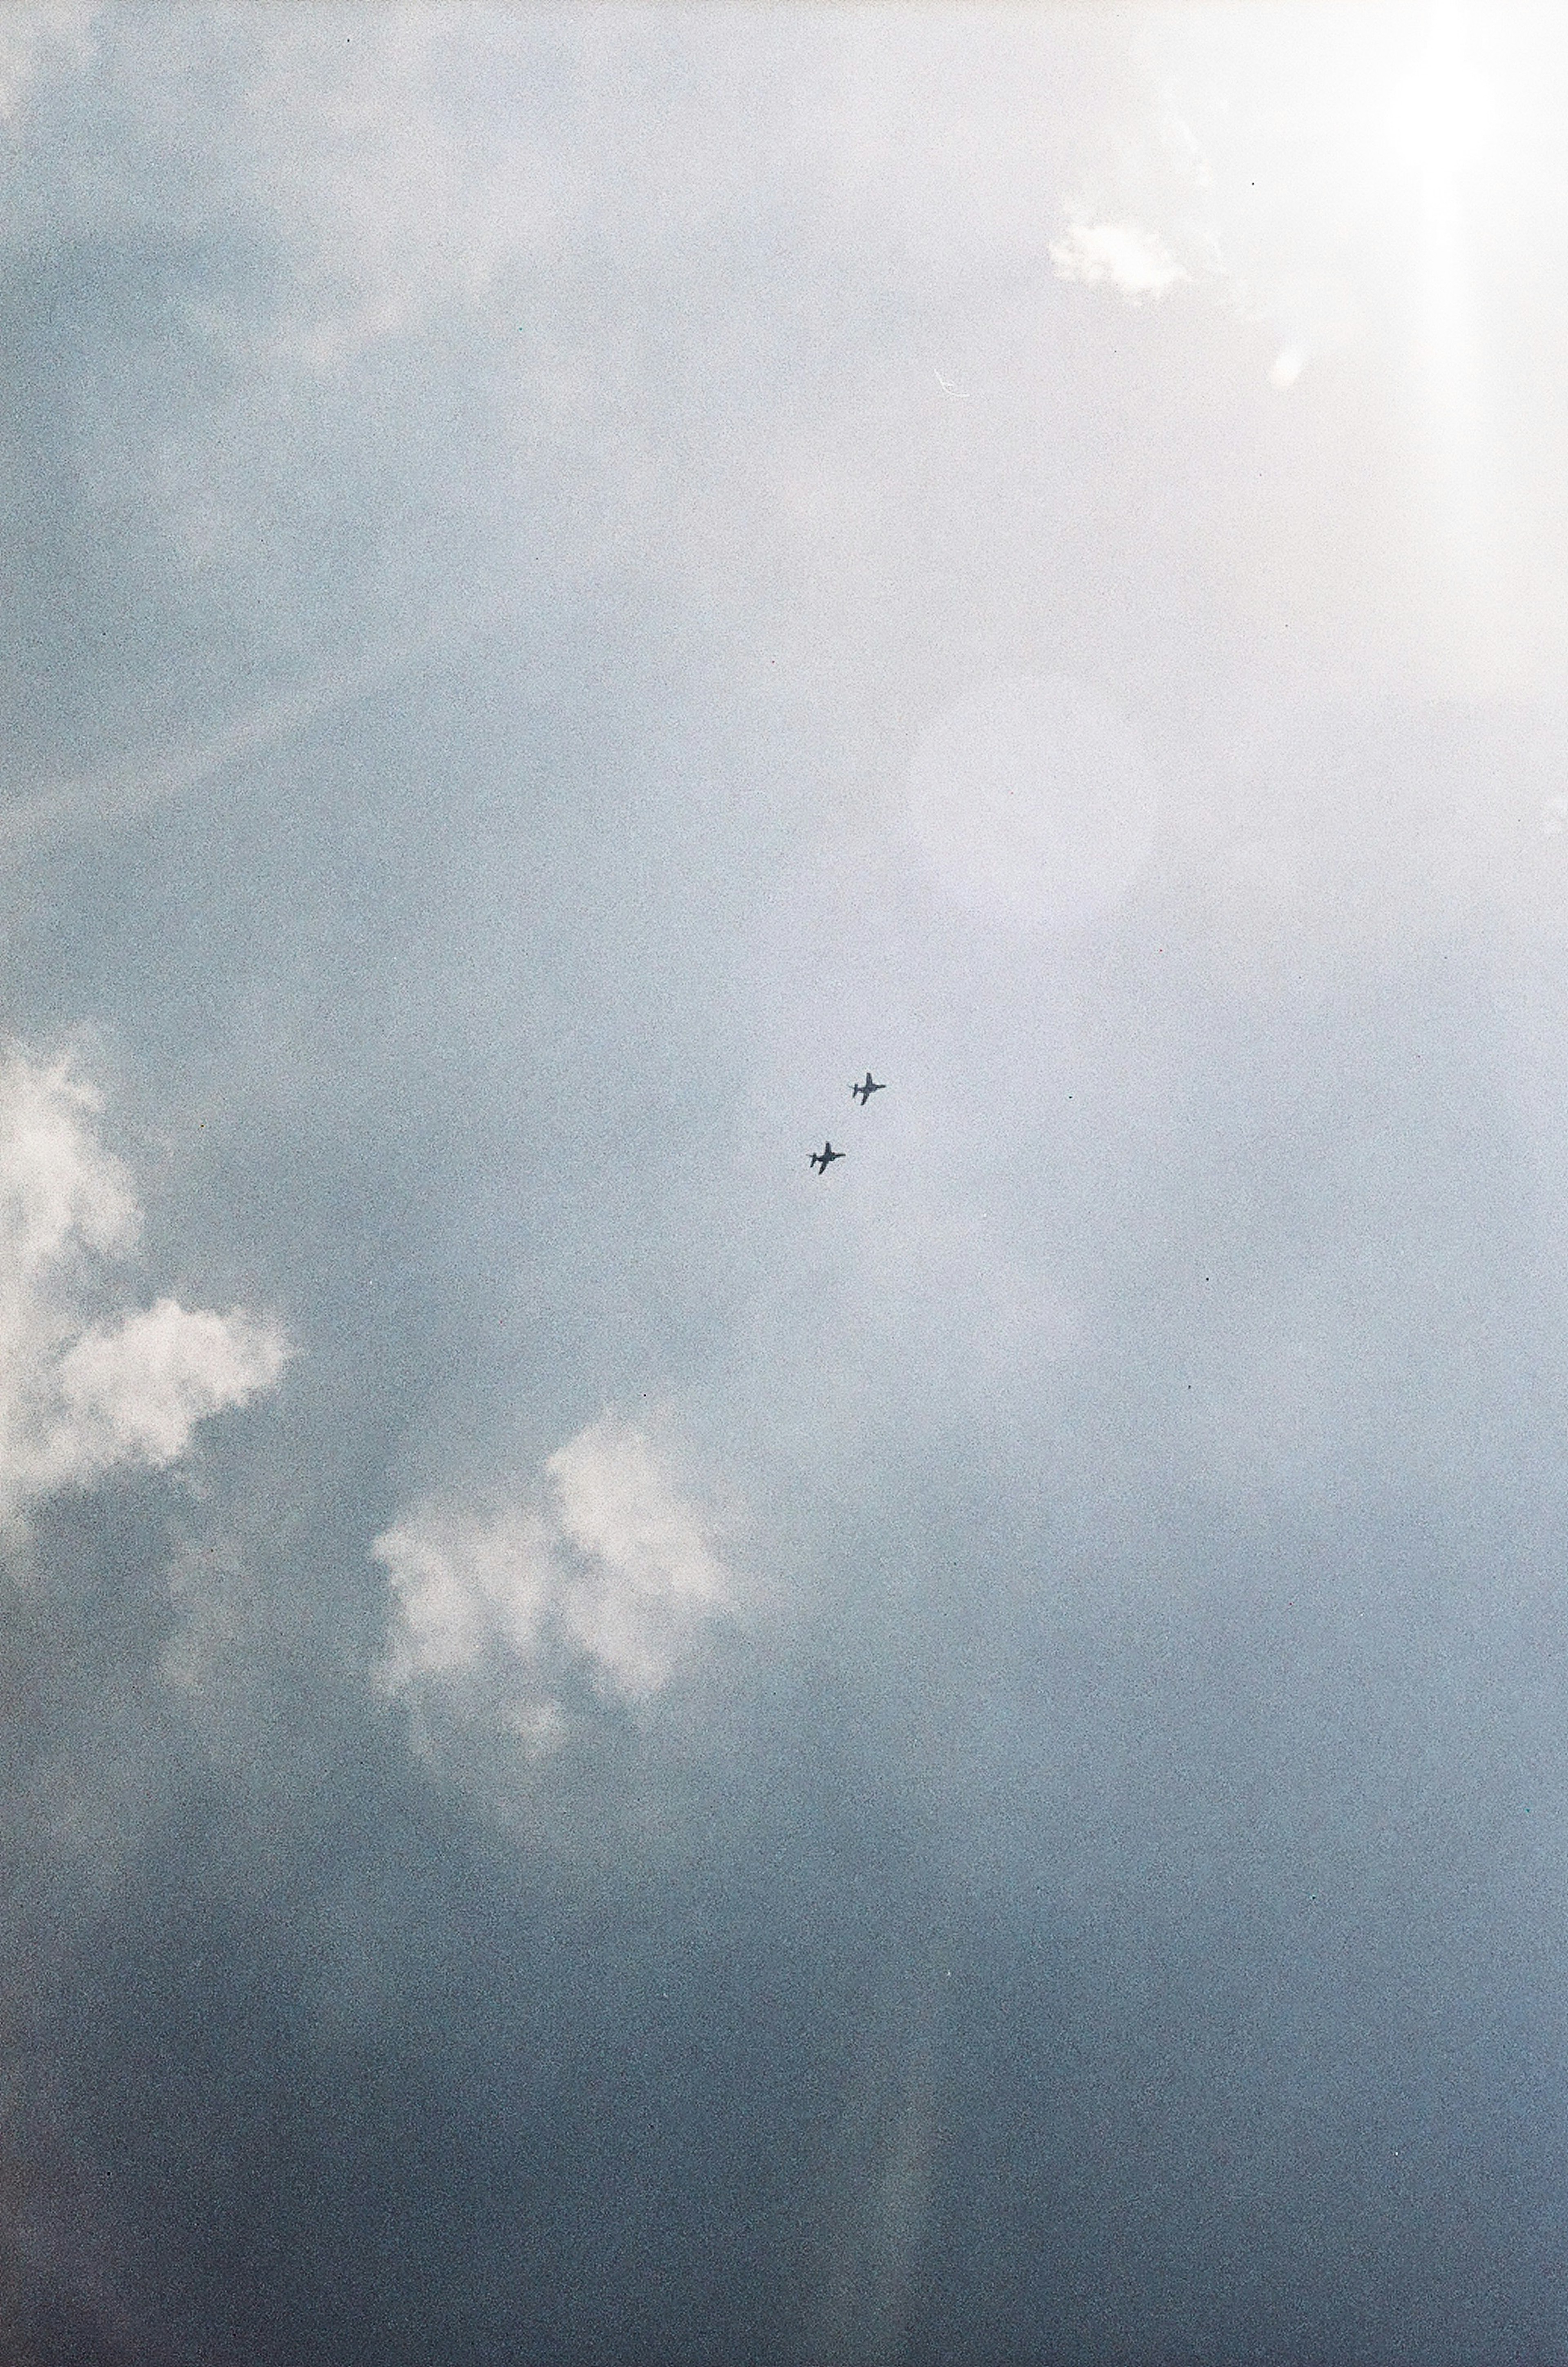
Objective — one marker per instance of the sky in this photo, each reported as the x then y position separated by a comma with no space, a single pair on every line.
613,1749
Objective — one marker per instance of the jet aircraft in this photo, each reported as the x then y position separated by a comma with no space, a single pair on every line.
862,1094
822,1160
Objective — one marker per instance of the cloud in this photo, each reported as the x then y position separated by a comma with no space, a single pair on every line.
86,1387
468,1587
1129,259
646,1575
604,1579
134,1393
1254,168
119,792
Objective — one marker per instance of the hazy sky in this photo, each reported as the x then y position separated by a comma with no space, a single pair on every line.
613,1750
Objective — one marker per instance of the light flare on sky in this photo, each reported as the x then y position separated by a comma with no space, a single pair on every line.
1441,113
1385,177
1441,123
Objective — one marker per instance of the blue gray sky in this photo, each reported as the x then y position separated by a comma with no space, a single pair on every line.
613,1749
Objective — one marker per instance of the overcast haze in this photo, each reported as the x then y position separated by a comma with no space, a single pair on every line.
613,1749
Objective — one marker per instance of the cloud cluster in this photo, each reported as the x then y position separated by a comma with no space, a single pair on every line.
607,1575
84,1387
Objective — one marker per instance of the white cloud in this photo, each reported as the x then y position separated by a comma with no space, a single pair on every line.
135,1393
646,1575
87,1386
607,1575
467,1586
1256,171
1128,258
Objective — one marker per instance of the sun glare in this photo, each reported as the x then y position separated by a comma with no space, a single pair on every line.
1440,115
1440,124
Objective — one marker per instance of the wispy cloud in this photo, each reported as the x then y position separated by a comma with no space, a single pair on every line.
122,791
604,1577
87,1386
1120,254
119,792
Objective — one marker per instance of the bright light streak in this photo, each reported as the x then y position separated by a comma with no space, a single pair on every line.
1442,115
1440,123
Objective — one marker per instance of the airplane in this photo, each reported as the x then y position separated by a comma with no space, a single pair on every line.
822,1160
862,1094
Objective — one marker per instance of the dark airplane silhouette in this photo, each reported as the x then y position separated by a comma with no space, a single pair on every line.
862,1094
822,1160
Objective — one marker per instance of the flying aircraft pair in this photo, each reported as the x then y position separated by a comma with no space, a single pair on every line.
822,1160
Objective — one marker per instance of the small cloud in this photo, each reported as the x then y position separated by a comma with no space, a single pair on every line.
1132,260
605,1576
1287,366
134,1393
468,1588
645,1574
85,1388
